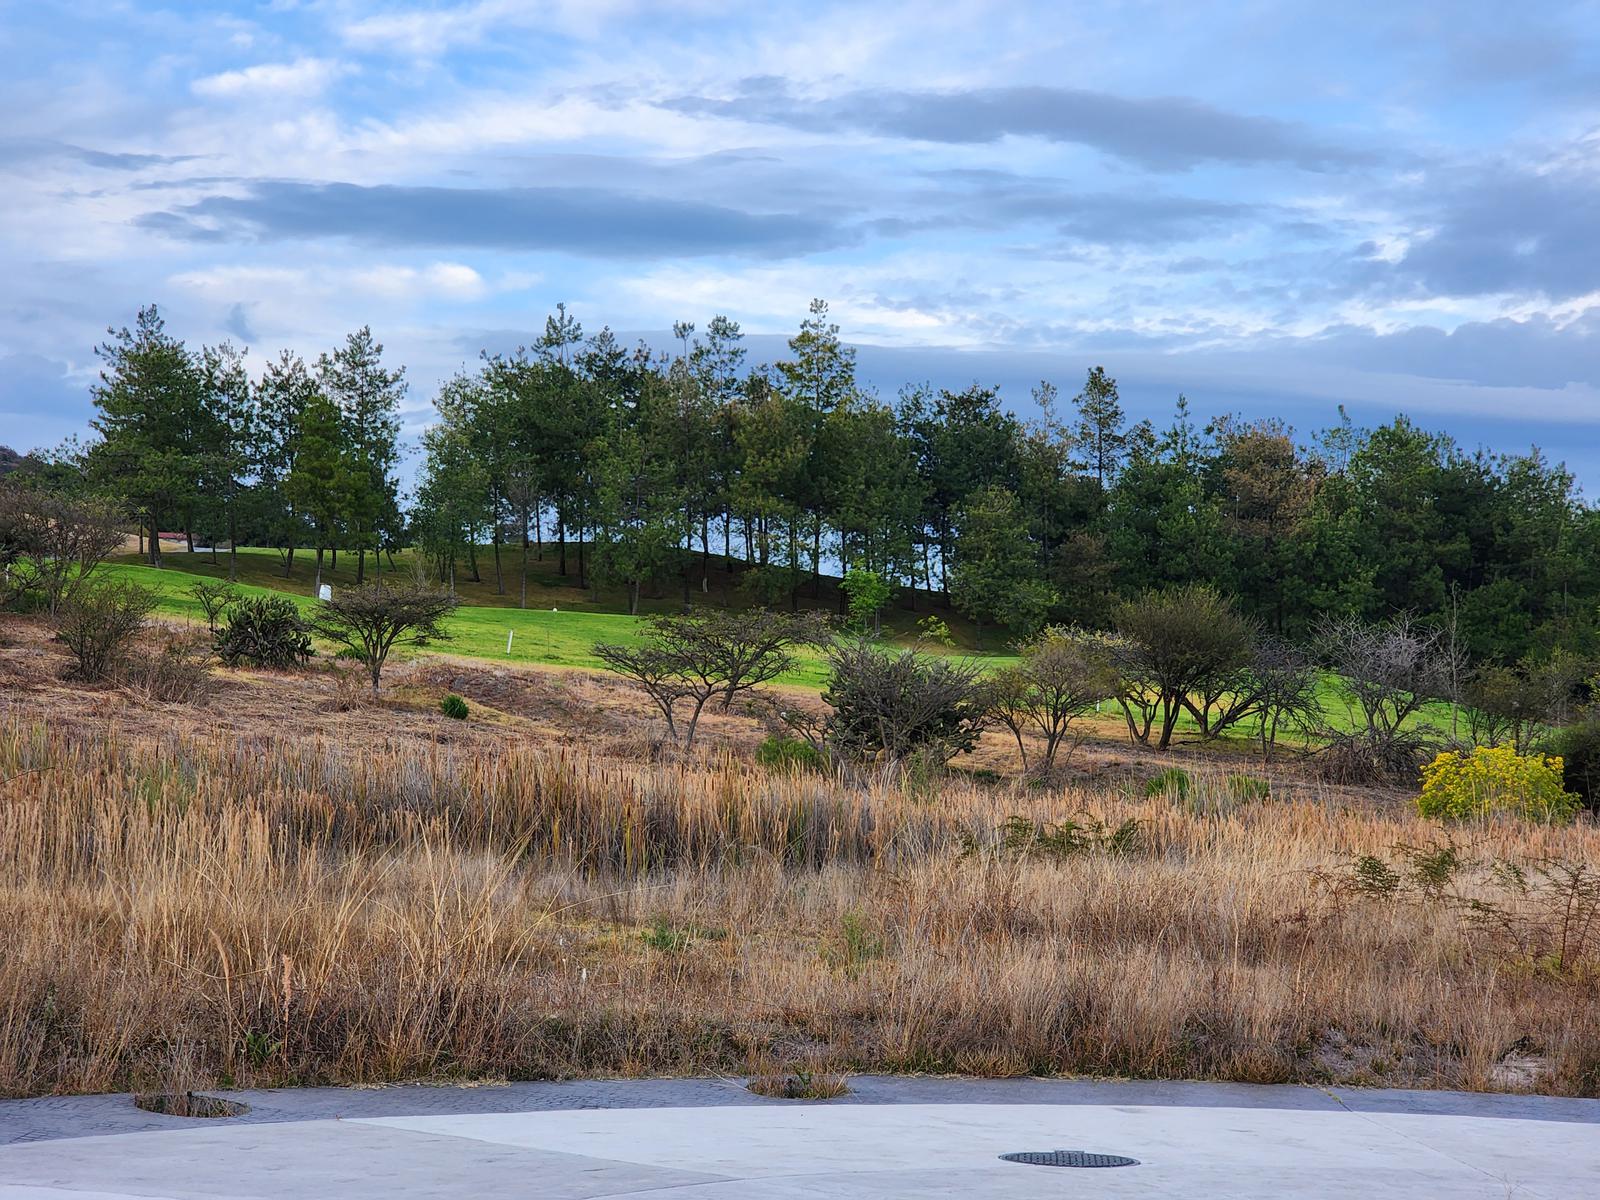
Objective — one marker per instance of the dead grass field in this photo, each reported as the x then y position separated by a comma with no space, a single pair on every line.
282,884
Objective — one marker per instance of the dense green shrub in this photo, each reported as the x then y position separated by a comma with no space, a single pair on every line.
782,752
1494,779
1579,749
454,706
264,631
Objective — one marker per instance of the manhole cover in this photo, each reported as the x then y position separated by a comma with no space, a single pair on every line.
1069,1158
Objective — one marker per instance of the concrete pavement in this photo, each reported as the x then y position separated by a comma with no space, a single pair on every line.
691,1139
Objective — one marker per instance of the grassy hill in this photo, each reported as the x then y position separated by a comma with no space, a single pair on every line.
558,628
562,622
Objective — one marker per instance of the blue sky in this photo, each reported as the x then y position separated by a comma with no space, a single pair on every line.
1273,207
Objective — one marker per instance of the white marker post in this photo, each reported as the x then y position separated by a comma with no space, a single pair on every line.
510,633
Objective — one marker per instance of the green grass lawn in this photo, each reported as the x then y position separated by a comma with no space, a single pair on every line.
558,628
562,623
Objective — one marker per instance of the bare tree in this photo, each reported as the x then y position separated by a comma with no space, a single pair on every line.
370,621
1285,678
699,655
1062,675
1388,671
50,545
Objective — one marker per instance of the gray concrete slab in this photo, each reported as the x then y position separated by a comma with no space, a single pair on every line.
712,1139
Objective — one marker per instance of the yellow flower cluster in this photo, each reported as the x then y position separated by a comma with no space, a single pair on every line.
1494,779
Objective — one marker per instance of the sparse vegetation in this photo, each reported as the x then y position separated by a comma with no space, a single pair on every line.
98,625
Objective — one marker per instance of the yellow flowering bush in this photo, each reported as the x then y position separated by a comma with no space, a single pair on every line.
1495,779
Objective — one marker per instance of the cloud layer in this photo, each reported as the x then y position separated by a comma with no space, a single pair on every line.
1389,205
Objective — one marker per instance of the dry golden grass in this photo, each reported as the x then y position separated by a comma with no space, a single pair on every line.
197,910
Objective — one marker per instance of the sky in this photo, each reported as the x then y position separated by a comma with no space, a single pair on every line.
1273,207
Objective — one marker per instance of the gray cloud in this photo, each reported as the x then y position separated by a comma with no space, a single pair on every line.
1508,231
20,151
1163,133
588,221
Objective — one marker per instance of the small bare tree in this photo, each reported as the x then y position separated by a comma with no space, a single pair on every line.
1063,674
1388,671
370,621
699,655
213,596
50,545
1284,677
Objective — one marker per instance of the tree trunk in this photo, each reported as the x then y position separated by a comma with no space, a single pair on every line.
361,565
288,563
499,578
316,587
561,538
522,596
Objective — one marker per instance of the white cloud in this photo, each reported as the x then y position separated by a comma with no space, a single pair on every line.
302,77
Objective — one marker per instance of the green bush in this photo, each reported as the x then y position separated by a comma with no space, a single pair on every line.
792,753
1172,781
1579,748
264,631
454,706
1494,779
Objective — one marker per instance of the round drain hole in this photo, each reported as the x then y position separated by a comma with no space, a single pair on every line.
1069,1158
189,1104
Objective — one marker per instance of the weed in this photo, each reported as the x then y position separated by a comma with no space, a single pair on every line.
454,707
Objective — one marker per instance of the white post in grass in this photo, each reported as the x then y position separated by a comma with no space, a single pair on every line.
510,633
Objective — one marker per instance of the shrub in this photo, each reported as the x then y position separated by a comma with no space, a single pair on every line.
790,753
1495,779
1061,676
1578,747
454,707
176,672
98,625
1249,787
895,707
265,631
1170,646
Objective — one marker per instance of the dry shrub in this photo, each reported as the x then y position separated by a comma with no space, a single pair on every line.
179,914
177,670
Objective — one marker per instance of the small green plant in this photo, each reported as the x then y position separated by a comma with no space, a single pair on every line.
857,945
1495,779
1371,876
1058,840
1248,787
669,938
783,753
1432,868
454,707
260,1047
1172,782
936,630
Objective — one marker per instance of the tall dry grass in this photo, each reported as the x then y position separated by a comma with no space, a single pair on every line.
271,912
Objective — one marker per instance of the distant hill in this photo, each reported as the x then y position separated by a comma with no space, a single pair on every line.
10,460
